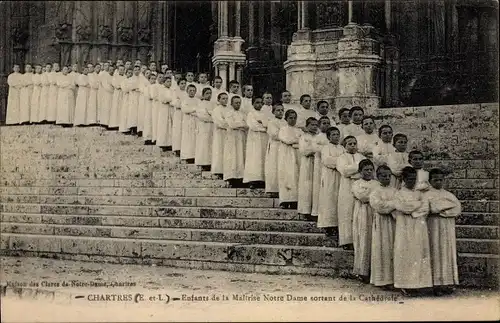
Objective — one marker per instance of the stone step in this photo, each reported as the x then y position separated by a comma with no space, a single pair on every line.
204,201
474,269
124,183
184,234
52,170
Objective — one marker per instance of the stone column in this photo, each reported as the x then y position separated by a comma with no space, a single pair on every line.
232,71
357,65
303,15
222,72
251,23
239,72
350,12
223,19
237,19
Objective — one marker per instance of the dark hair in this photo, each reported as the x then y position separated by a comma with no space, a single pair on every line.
289,112
397,136
362,164
320,103
191,86
324,118
435,171
330,130
341,112
217,78
366,118
285,91
267,92
182,79
278,104
309,120
413,153
235,97
355,108
202,73
233,82
255,98
220,95
407,171
205,90
383,167
303,96
382,127
348,137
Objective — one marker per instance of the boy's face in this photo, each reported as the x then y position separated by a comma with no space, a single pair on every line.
177,77
351,145
334,137
48,68
152,66
119,62
121,70
279,111
208,95
386,134
191,91
384,177
129,73
90,68
111,70
312,127
182,85
105,67
323,109
168,73
306,102
357,117
147,74
190,76
236,103
292,119
144,68
38,69
368,126
56,68
437,181
97,68
128,64
234,88
410,181
217,83
85,71
268,99
74,67
65,70
202,78
137,71
248,91
257,104
367,172
286,97
28,69
417,161
161,78
168,82
344,117
223,100
401,144
324,124
16,68
152,79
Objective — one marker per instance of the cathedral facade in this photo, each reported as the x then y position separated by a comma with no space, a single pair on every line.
379,53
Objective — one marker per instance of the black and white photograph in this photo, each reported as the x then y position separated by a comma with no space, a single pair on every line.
249,161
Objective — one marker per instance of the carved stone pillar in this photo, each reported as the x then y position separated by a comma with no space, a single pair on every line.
82,33
222,72
144,30
239,72
223,19
124,31
237,19
104,32
357,62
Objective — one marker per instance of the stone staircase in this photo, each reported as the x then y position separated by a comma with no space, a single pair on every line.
94,195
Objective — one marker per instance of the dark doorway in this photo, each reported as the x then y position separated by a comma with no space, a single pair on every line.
191,36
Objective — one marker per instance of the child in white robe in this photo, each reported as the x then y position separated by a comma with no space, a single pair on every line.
347,165
188,137
306,170
271,165
368,140
288,165
44,95
412,258
124,109
444,208
163,127
148,93
246,100
416,160
319,141
383,147
330,183
82,97
143,100
35,97
25,96
305,111
234,147
133,101
384,225
398,159
15,82
267,108
220,128
362,220
256,146
65,98
158,86
91,115
217,89
114,117
181,95
53,89
205,125
322,109
107,96
202,84
356,115
345,120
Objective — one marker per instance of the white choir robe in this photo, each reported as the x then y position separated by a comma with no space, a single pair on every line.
82,98
15,82
412,258
330,184
347,165
52,102
396,162
288,166
384,225
156,108
44,97
133,101
234,144
366,144
188,137
271,165
66,99
246,105
25,97
124,107
199,89
256,146
268,110
351,130
203,153
422,180
35,98
116,106
362,225
162,126
147,109
143,82
218,139
444,208
91,117
107,97
303,114
75,76
306,173
319,141
100,96
381,153
177,120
